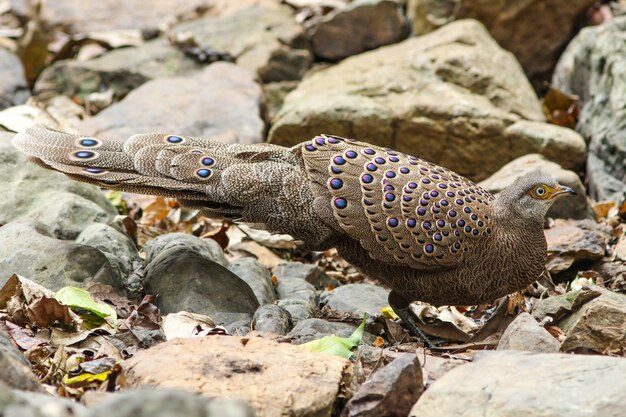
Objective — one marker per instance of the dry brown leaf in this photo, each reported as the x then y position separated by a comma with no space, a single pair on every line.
560,108
378,342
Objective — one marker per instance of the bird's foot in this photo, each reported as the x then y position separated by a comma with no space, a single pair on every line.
401,307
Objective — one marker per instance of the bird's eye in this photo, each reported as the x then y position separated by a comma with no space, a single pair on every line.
539,192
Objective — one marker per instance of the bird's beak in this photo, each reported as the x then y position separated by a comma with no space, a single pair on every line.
562,190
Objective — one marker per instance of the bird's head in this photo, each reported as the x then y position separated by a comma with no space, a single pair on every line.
531,195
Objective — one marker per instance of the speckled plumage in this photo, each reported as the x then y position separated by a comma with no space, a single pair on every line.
421,229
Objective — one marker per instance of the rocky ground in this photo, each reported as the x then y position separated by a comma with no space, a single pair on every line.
186,305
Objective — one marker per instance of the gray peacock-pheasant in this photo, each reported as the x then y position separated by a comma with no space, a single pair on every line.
424,231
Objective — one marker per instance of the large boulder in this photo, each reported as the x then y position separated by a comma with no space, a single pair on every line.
510,383
276,379
13,85
594,67
453,97
120,71
534,30
222,100
265,40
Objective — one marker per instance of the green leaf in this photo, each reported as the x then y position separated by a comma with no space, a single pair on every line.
335,345
78,298
117,199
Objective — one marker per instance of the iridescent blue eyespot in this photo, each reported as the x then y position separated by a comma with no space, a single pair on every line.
94,170
310,147
392,222
437,237
336,183
444,202
481,224
204,173
84,154
88,142
426,225
407,198
457,245
412,185
434,193
393,159
425,180
441,223
475,232
467,210
429,248
389,188
452,213
339,160
423,202
340,202
379,160
468,229
320,141
459,201
334,141
351,154
174,139
390,197
421,211
390,174
411,223
461,223
369,151
207,161
367,178
335,170
443,186
371,167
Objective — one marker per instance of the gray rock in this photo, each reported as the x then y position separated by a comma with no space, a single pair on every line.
224,91
599,326
13,86
206,247
17,403
358,298
119,249
574,207
257,277
168,402
15,370
64,206
524,333
571,241
447,96
592,68
535,31
119,70
545,384
561,305
187,280
239,328
264,39
312,329
275,94
29,250
272,318
111,15
358,27
390,391
312,274
298,297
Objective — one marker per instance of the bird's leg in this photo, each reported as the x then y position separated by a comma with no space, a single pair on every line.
401,307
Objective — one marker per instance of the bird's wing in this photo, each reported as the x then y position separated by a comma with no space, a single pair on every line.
401,209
